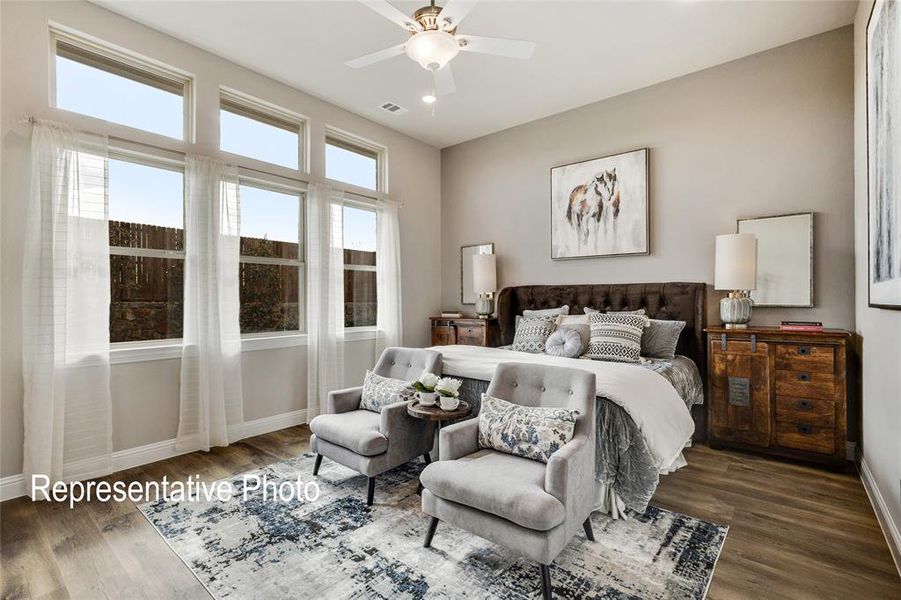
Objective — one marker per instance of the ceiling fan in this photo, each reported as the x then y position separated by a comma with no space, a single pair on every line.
434,40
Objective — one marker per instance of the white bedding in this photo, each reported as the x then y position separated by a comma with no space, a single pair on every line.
653,403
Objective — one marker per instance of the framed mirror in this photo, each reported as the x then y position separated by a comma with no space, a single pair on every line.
784,259
467,295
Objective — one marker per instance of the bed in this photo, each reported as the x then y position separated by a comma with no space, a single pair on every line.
646,412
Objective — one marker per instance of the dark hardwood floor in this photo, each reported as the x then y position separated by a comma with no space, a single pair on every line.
795,532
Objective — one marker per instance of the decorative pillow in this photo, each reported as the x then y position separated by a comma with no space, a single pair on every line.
564,342
576,323
659,340
533,432
591,311
379,392
616,337
532,333
547,312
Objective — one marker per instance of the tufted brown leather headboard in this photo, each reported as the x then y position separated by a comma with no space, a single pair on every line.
677,301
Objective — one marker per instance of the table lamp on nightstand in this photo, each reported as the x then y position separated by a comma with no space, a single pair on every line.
484,283
736,271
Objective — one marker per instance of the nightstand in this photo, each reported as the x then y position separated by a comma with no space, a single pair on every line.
780,392
467,331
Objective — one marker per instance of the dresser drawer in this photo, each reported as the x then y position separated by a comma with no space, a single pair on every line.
801,435
470,335
801,357
813,411
443,335
805,384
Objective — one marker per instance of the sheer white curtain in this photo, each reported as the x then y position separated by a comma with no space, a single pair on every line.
325,295
65,308
211,395
387,277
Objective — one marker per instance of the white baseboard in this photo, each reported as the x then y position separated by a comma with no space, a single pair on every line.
883,515
14,485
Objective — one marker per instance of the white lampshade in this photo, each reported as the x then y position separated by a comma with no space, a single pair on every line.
432,49
736,262
484,273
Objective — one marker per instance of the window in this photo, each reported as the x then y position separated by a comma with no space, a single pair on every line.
146,237
250,128
271,260
353,162
360,302
110,86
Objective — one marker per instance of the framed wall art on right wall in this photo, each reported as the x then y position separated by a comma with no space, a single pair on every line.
884,154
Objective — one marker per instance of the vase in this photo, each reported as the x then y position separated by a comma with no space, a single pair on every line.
426,398
449,403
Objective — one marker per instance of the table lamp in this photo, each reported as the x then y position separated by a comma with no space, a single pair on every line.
736,271
484,283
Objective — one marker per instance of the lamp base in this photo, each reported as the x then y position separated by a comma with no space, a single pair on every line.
735,310
484,306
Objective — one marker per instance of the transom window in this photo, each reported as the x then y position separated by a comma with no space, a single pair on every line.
253,129
147,250
360,301
110,86
272,253
353,162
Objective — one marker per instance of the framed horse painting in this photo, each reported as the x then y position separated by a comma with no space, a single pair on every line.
599,207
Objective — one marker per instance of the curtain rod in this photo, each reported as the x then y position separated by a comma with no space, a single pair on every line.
373,195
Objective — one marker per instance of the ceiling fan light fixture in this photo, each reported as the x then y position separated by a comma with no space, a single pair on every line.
432,49
430,98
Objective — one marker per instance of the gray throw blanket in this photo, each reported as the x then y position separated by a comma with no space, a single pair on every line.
624,461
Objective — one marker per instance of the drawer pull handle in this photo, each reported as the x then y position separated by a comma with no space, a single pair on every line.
804,350
804,404
802,428
803,376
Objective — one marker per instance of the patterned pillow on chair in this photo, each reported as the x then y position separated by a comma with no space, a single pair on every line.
379,392
616,337
533,432
532,333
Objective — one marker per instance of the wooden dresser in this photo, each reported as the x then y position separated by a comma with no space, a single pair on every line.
467,331
780,392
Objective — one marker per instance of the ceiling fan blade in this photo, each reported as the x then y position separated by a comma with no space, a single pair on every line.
453,13
496,46
392,14
369,59
444,81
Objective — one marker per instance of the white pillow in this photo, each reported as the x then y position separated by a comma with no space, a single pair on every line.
564,342
547,312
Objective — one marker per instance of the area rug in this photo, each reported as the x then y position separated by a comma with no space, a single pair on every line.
337,547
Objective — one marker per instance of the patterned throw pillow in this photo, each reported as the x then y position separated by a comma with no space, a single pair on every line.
533,432
616,337
532,333
379,392
661,338
591,311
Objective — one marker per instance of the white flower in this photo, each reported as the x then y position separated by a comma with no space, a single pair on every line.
428,379
448,386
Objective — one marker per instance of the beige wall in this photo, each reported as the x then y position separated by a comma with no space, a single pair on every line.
767,134
879,329
145,395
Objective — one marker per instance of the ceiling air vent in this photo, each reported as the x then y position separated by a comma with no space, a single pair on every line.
393,108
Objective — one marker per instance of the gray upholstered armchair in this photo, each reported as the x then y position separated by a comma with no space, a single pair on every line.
371,442
532,507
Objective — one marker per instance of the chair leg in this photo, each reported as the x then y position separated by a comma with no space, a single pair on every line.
370,492
546,593
589,532
317,465
426,458
433,525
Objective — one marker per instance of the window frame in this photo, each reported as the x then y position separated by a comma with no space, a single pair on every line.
354,143
137,65
280,339
161,348
262,111
367,206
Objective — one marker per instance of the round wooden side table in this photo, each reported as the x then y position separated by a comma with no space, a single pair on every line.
440,416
